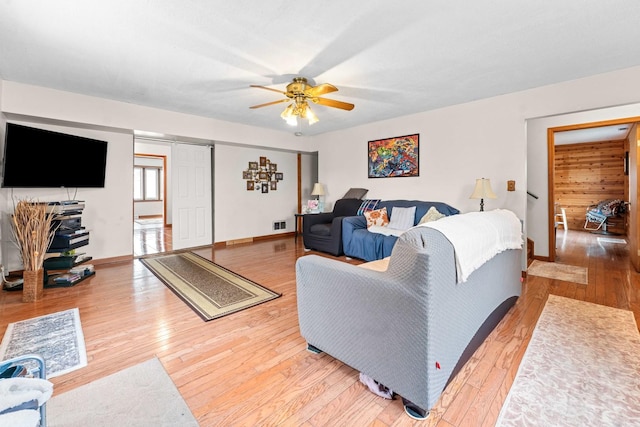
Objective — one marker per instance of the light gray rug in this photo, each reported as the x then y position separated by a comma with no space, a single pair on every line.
143,395
555,270
57,337
580,369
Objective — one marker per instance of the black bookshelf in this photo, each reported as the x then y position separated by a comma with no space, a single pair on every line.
69,235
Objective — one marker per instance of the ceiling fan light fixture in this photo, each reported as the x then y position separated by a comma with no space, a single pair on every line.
311,116
300,92
298,109
289,115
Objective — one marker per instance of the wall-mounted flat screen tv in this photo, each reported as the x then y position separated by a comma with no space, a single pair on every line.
41,158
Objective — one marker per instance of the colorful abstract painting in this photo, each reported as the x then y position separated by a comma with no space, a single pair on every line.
394,157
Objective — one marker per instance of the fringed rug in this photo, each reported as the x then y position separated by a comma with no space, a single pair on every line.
580,369
210,290
57,337
554,270
142,395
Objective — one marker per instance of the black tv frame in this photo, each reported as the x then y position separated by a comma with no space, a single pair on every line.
40,158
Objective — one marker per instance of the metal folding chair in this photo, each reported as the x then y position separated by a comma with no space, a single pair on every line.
598,215
39,371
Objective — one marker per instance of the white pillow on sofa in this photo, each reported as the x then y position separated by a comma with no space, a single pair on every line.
402,218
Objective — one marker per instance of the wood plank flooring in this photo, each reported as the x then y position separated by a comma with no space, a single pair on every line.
252,369
150,236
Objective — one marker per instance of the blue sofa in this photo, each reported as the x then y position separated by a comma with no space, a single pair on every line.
358,242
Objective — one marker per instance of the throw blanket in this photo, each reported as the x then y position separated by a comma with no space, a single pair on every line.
479,236
381,229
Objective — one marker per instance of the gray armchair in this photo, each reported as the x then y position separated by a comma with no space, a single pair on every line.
323,231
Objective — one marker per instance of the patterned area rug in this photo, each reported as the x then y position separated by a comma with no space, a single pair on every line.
554,270
142,395
580,369
210,290
57,337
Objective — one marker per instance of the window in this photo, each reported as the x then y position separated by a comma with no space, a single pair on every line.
147,183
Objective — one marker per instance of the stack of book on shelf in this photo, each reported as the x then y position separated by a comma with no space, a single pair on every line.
83,270
67,278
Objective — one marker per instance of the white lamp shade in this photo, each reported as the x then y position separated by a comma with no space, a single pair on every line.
483,190
318,190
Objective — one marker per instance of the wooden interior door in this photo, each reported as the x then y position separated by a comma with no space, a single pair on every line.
192,200
634,212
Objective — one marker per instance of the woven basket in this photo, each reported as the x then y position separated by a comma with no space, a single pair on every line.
32,285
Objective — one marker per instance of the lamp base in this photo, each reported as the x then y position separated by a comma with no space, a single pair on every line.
481,205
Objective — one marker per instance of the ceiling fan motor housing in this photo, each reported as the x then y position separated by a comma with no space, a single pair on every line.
297,87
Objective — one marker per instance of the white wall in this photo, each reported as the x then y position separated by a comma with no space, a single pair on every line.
309,174
457,145
240,213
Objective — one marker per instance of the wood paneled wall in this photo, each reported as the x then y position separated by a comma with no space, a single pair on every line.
586,174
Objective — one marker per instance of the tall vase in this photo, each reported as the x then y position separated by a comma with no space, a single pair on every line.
32,285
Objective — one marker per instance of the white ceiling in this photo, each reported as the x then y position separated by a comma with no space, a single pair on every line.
389,58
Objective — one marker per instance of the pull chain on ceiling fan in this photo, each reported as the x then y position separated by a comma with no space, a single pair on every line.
299,92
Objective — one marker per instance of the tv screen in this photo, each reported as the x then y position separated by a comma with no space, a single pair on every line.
41,158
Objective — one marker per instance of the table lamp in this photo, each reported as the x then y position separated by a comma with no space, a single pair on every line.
318,190
483,191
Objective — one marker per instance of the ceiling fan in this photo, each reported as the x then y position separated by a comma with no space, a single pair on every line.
298,93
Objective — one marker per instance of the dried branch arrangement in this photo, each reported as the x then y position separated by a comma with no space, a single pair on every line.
31,226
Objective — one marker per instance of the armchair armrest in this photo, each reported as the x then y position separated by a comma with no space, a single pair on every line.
336,227
351,223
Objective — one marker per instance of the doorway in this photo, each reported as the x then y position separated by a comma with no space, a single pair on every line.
151,231
586,164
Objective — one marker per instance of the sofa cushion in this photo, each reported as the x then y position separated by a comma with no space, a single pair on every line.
402,218
431,215
386,231
323,229
377,217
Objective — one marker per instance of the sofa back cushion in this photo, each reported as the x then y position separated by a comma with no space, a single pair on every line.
421,207
346,207
367,205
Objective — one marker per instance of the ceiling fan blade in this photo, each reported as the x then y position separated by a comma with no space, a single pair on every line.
268,88
322,89
280,101
333,103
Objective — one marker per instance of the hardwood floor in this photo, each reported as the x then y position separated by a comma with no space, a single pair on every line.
150,236
251,368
